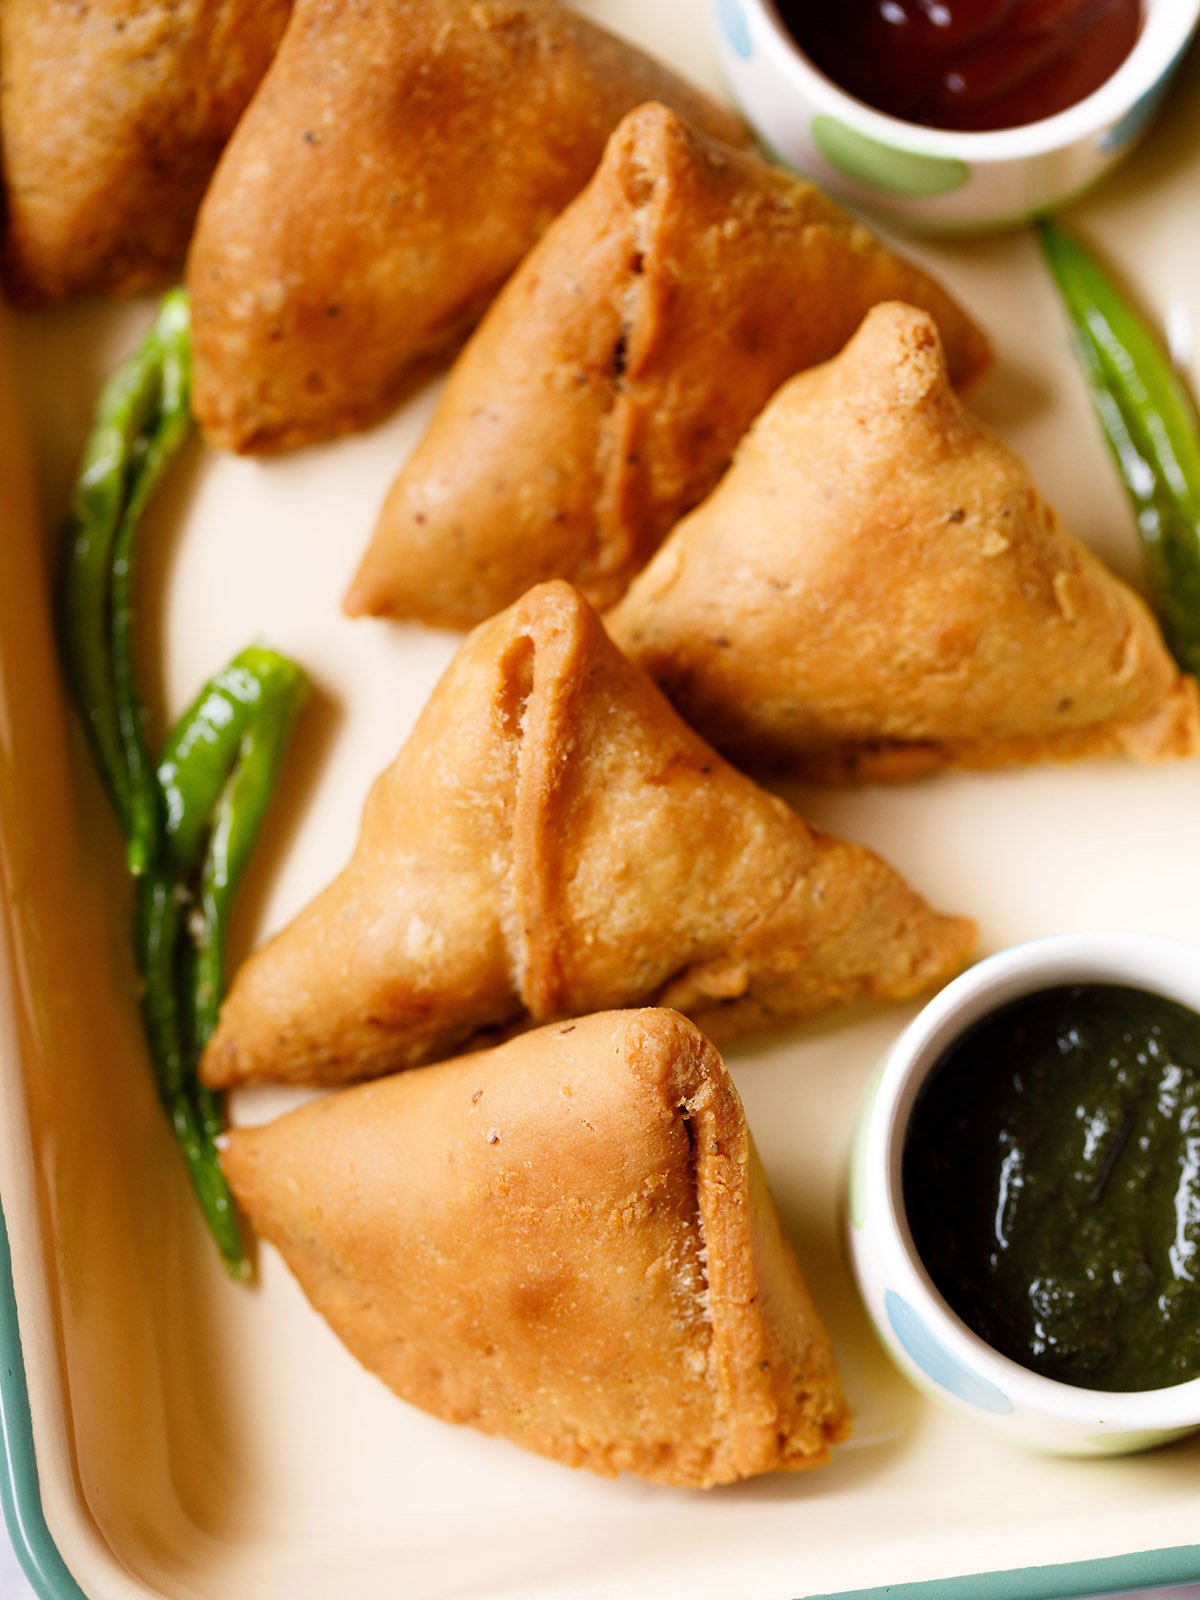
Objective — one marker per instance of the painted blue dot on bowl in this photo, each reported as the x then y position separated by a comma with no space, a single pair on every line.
735,27
1141,113
1136,119
936,1361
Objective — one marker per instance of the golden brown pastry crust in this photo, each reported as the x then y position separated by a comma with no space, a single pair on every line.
606,389
112,117
553,840
567,1241
399,161
876,590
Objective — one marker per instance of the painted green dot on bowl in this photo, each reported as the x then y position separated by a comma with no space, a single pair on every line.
883,166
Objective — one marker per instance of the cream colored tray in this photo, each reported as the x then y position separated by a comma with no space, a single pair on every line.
195,1439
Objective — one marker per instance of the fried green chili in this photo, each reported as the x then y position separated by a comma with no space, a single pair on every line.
217,775
236,823
194,1115
190,825
201,748
1151,424
141,420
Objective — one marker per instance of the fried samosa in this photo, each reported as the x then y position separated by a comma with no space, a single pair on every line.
553,840
606,389
112,117
401,158
567,1241
876,590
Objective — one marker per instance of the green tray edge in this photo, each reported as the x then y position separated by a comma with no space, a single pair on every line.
20,1491
20,1497
1073,1580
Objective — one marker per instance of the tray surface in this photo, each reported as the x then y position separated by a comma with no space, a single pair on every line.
197,1440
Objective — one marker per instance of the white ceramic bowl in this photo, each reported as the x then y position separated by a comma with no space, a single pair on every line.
923,1336
930,178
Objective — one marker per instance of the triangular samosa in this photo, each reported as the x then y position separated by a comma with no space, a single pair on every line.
607,388
567,1241
400,159
112,116
553,840
876,590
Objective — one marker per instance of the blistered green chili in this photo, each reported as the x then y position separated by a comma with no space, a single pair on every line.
1151,423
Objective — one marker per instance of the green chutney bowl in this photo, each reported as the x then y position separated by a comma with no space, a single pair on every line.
923,1336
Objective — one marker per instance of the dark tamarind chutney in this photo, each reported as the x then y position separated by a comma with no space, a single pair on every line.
1051,1178
974,65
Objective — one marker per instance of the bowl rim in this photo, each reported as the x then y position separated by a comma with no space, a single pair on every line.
1142,960
1167,31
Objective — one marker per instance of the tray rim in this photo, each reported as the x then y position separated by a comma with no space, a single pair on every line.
45,1567
20,1487
51,1579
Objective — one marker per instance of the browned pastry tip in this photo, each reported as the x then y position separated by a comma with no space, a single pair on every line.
877,590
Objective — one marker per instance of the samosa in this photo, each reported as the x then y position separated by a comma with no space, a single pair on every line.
400,159
553,840
877,590
112,117
608,386
567,1241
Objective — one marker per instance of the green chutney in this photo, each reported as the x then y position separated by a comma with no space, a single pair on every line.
1052,1183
